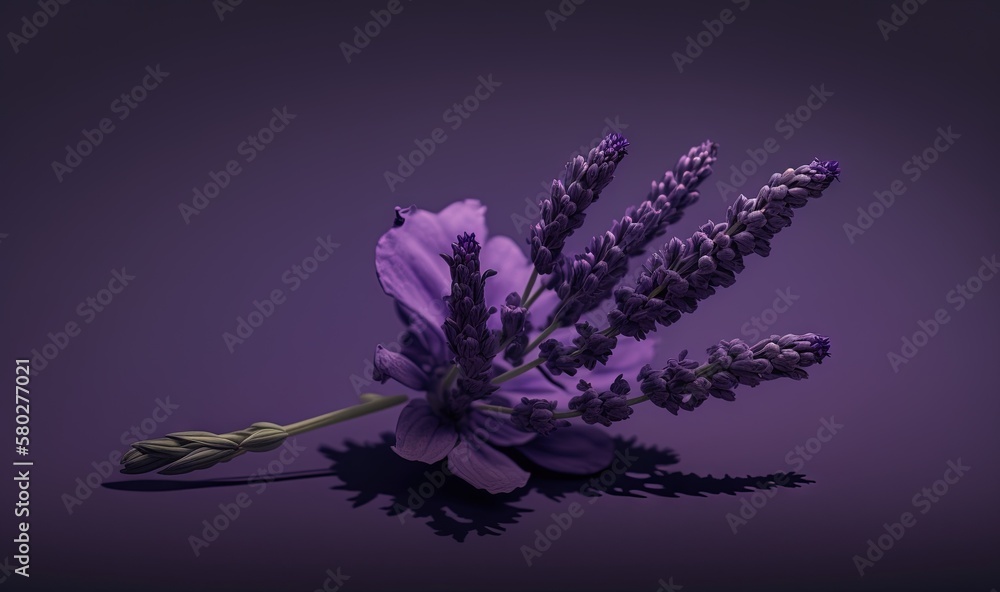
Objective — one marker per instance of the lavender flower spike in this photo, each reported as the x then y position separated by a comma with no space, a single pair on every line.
603,408
564,210
590,279
669,197
536,415
784,356
471,342
514,329
590,348
682,274
684,384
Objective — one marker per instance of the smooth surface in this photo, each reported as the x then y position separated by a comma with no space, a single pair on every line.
323,176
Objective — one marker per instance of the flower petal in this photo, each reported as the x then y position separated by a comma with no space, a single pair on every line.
424,343
389,364
422,435
497,430
486,467
576,450
408,257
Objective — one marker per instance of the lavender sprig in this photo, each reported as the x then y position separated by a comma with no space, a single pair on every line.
564,210
514,327
675,279
472,343
592,276
590,348
603,408
684,384
183,452
678,190
678,277
535,415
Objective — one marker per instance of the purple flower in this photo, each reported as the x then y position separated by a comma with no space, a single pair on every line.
514,328
442,426
470,340
592,276
669,197
603,408
564,210
684,384
583,284
674,387
780,356
590,347
536,415
453,341
675,279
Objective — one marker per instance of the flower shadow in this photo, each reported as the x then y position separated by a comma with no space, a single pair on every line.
453,508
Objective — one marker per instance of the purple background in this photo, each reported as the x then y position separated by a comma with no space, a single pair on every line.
323,175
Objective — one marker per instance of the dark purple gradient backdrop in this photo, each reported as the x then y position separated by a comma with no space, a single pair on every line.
323,176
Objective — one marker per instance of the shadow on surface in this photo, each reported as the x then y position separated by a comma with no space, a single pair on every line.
453,508
177,485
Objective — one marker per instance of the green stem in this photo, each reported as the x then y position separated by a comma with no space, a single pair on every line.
531,299
541,337
531,284
510,374
371,403
561,415
449,377
703,370
514,373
